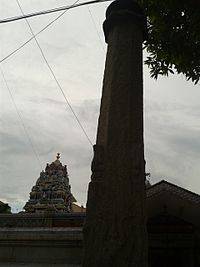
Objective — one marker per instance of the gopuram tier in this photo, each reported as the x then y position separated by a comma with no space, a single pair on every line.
52,191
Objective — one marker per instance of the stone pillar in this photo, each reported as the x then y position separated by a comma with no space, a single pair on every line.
115,227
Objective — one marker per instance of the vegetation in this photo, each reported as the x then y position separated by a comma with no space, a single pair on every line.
4,208
174,37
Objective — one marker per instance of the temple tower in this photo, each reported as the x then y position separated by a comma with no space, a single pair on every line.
52,191
115,228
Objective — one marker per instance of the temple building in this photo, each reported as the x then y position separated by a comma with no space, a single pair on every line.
52,191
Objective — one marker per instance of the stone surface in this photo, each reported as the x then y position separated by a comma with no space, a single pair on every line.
115,232
52,191
12,264
30,220
59,245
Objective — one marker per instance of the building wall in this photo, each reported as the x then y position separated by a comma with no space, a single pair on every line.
41,238
41,245
58,239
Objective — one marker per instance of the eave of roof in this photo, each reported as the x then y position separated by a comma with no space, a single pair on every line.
174,189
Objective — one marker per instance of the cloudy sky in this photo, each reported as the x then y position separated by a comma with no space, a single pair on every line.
36,122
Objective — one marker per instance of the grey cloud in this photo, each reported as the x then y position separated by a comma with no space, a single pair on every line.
46,100
12,144
89,109
188,144
172,142
63,48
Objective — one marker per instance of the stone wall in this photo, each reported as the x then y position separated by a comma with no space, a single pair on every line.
57,239
47,219
41,238
41,245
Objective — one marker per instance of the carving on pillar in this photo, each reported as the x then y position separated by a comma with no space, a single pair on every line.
97,166
113,243
137,160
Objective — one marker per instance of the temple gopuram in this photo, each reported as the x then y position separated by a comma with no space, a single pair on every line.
52,191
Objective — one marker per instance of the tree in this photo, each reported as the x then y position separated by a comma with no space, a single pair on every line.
4,208
174,37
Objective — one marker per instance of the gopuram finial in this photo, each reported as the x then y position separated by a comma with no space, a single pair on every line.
58,156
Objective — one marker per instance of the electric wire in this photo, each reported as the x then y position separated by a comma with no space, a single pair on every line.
21,46
95,26
43,29
54,76
21,120
11,19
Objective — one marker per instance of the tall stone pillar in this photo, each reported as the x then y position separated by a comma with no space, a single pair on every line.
115,230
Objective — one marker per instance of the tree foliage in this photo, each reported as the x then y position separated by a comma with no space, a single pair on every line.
4,208
174,37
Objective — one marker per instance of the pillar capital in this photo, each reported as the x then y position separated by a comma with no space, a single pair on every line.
124,11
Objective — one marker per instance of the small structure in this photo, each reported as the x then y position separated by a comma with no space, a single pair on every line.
173,226
77,208
52,191
4,208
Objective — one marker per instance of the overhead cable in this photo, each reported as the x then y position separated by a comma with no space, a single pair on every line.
21,120
44,12
54,76
25,43
49,24
95,27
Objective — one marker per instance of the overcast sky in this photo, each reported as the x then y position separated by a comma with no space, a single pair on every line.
36,122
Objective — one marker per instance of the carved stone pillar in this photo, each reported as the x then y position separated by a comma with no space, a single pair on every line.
115,228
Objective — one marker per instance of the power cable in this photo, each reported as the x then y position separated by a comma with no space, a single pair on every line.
21,46
95,26
49,24
11,19
56,80
21,120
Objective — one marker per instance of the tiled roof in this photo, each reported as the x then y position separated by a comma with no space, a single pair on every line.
173,189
